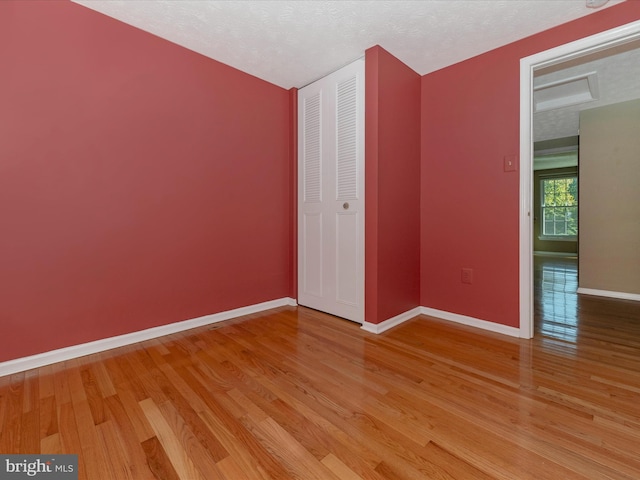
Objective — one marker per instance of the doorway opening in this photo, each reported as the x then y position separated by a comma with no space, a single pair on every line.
528,67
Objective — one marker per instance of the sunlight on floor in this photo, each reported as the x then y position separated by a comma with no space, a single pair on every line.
558,300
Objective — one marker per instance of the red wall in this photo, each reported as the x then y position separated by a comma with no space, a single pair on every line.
140,183
392,187
469,206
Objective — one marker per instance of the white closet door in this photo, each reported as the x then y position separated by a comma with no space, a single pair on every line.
331,193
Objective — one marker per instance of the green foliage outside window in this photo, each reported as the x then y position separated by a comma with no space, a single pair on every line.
560,206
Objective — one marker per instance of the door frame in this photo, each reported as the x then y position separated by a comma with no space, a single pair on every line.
528,65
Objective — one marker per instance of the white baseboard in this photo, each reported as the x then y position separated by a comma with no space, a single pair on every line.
610,294
391,322
75,351
470,321
443,315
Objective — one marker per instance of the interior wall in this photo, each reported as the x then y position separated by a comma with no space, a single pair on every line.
392,186
469,204
140,183
610,198
540,245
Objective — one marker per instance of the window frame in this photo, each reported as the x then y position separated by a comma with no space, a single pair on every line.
559,238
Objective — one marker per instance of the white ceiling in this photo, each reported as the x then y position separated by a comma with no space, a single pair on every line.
617,75
291,43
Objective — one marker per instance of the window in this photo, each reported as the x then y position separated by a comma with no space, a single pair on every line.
559,198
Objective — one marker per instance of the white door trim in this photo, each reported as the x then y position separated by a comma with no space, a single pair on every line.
593,43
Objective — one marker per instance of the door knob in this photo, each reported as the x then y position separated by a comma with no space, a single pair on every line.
345,205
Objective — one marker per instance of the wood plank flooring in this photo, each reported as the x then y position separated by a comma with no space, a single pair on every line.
293,393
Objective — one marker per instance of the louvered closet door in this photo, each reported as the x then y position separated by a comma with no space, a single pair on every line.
331,193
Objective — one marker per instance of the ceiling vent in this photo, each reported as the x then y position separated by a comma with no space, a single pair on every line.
563,93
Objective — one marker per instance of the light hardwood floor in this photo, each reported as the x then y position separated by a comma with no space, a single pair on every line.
294,393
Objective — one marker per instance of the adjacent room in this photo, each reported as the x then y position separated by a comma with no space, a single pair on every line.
575,103
304,239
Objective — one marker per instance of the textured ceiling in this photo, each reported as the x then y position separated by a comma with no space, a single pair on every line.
291,43
617,72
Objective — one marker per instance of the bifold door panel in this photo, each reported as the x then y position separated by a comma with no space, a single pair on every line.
331,193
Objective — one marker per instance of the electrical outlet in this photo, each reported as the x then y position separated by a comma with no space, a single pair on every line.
467,275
